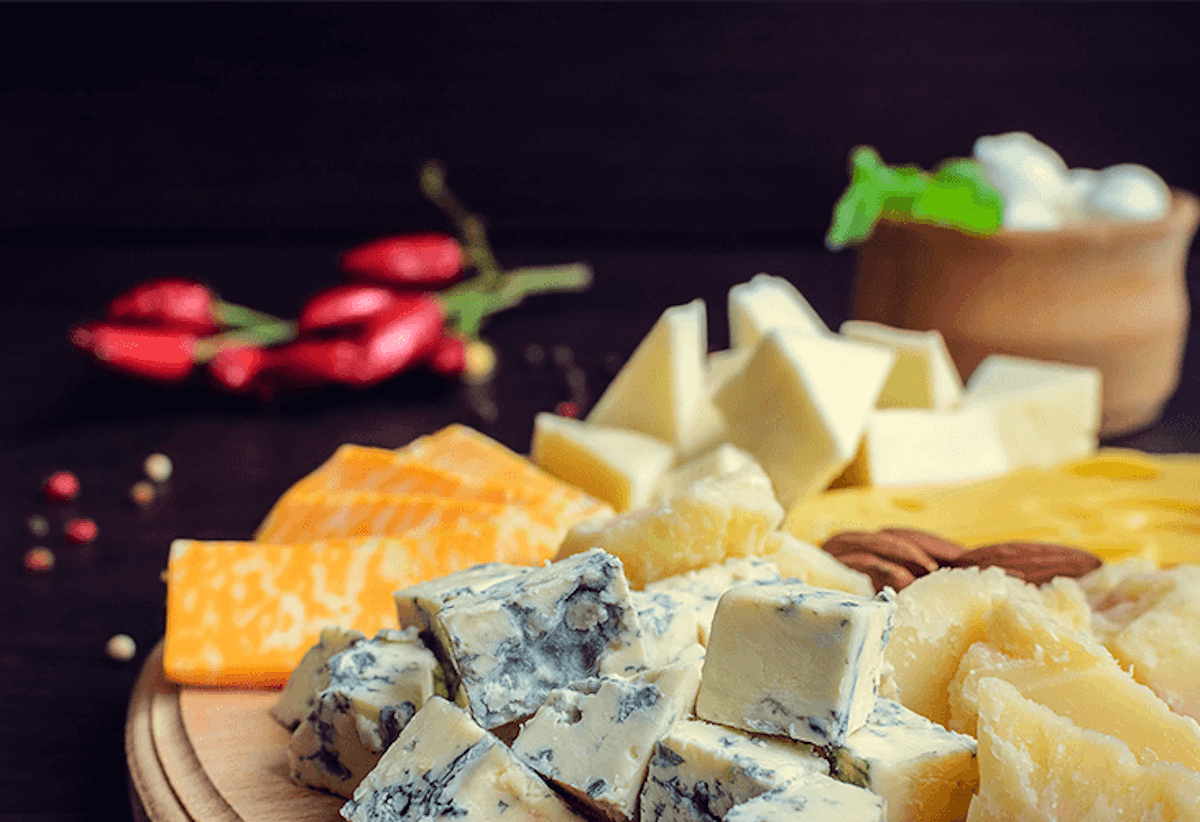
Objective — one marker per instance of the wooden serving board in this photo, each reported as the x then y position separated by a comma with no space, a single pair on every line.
211,755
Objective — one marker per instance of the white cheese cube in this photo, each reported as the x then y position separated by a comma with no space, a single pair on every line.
825,802
594,740
444,766
704,587
765,303
1047,413
787,658
311,676
520,638
670,624
700,770
924,375
659,388
800,405
923,770
911,446
375,688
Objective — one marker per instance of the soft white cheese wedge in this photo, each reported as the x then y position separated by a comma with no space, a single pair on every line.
800,404
659,388
444,766
787,658
618,466
721,461
765,303
924,375
708,429
914,446
1047,412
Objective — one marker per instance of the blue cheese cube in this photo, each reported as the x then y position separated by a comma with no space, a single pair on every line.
700,770
521,638
444,766
787,658
705,586
374,688
828,802
670,624
594,740
311,676
923,770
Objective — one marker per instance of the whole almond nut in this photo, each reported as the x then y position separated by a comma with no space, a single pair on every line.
942,550
881,572
1034,562
886,546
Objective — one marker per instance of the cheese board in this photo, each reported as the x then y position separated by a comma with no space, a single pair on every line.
211,754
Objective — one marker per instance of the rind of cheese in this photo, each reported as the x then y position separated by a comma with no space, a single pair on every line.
924,375
707,522
765,303
242,614
1118,504
619,466
1036,765
659,388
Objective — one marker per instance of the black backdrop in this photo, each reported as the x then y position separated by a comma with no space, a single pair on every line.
718,122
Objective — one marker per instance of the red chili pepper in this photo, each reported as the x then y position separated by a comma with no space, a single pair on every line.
234,369
171,302
156,354
397,339
448,357
306,364
343,305
426,261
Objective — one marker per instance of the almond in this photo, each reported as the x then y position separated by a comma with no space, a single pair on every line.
882,572
890,547
942,550
1034,562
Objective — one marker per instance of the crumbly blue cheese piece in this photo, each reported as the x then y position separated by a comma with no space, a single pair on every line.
670,623
375,688
706,585
311,675
787,658
444,766
828,802
700,770
594,740
923,770
521,638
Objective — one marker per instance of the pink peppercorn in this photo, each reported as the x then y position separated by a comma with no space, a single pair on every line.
81,531
61,486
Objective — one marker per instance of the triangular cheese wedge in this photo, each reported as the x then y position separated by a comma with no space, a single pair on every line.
924,375
767,302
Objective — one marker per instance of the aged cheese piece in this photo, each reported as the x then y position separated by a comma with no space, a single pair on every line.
705,523
375,687
796,559
787,658
242,614
800,405
924,375
765,303
444,766
700,770
703,588
520,638
811,803
594,740
723,460
311,675
619,466
661,385
922,770
1036,765
670,623
1048,412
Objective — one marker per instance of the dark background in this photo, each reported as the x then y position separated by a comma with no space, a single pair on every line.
678,147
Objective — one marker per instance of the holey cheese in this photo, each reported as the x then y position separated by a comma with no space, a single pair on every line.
786,658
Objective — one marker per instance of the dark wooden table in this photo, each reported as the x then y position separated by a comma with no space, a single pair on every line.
62,701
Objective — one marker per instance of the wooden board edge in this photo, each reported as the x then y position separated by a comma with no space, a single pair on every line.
151,796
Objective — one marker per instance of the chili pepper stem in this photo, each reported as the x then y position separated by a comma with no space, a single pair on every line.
239,316
470,226
467,304
258,336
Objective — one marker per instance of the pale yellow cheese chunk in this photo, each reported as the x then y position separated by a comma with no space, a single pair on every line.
924,375
765,303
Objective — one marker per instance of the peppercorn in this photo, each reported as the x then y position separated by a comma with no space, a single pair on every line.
81,531
60,487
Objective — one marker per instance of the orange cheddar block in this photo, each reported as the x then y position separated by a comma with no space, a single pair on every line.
362,468
242,614
463,451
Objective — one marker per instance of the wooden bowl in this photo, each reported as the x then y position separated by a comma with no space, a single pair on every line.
1110,294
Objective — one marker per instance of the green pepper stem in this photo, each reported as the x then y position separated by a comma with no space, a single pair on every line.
257,336
239,316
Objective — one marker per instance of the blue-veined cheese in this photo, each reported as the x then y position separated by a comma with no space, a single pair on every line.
700,770
827,802
311,676
787,658
670,623
444,766
375,687
518,639
594,740
705,586
923,770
